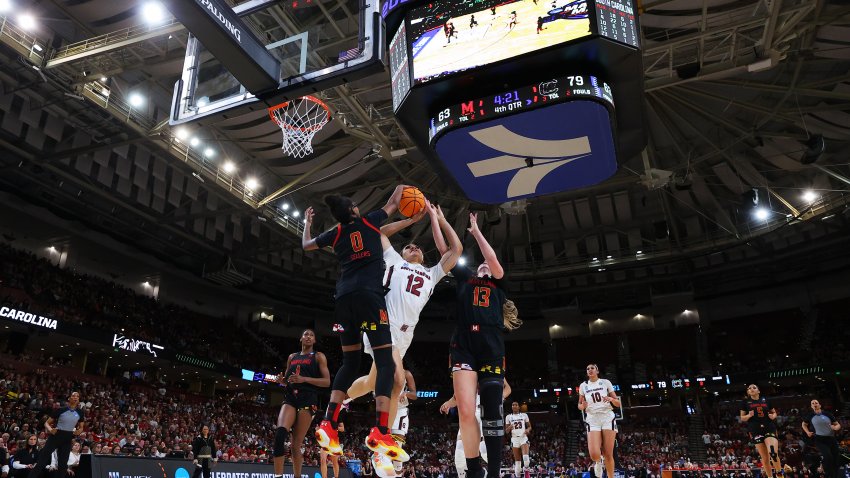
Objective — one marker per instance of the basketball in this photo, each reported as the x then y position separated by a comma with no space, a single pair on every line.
412,201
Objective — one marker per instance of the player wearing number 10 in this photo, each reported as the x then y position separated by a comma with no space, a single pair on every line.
360,307
596,399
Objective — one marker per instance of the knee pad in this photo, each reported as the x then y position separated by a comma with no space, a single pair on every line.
349,371
490,389
385,366
280,436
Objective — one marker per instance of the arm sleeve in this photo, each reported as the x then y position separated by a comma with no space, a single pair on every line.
326,239
377,217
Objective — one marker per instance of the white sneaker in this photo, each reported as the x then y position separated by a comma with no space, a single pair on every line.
598,469
383,465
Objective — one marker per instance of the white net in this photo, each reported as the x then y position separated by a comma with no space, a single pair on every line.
300,120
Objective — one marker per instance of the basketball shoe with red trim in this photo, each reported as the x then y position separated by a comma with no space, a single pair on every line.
328,438
384,444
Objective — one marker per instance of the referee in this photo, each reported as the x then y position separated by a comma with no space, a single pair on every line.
821,426
62,425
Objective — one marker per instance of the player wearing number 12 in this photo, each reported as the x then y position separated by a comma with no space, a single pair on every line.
360,307
409,284
596,399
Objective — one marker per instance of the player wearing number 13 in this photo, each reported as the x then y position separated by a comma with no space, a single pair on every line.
477,354
596,399
360,307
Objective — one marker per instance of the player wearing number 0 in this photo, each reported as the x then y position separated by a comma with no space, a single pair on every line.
519,426
477,354
360,307
596,399
759,416
410,284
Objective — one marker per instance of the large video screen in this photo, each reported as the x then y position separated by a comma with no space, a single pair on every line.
448,36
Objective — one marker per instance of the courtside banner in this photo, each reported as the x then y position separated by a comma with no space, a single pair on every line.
105,466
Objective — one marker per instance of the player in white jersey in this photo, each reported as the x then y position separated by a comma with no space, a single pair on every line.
409,285
596,399
519,426
460,457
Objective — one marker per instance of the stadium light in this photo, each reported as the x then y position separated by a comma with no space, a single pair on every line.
285,206
761,213
194,142
810,196
295,213
5,5
103,79
461,261
181,133
251,184
136,100
153,13
209,152
229,167
26,21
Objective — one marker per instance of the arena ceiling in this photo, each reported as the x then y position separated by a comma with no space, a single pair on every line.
738,93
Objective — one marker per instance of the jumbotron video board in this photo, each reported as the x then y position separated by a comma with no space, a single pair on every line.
467,74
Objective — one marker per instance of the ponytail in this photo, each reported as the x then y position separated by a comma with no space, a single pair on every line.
341,208
510,316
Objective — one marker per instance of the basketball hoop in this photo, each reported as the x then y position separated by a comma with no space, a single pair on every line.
299,120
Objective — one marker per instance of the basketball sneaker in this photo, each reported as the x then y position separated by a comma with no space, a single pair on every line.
383,465
598,468
384,444
328,438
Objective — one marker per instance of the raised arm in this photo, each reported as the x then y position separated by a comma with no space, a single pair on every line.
392,228
486,250
439,241
392,202
506,390
307,241
451,253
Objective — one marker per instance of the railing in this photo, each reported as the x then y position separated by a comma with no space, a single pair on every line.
24,43
101,41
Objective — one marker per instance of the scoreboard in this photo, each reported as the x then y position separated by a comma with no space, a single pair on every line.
490,89
547,92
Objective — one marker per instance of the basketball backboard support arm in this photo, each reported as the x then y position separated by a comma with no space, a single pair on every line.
227,37
190,105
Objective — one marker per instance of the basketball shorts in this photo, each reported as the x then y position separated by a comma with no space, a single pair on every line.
402,422
482,352
596,422
401,339
519,441
301,399
760,432
362,311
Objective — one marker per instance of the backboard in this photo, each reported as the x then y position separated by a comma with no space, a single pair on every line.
313,45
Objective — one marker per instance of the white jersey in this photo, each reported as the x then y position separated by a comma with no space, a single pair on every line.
410,287
594,394
517,421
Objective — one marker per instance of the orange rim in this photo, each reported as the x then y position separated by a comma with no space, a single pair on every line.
310,98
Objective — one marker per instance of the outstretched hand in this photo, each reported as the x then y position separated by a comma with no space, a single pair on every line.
308,216
422,212
473,223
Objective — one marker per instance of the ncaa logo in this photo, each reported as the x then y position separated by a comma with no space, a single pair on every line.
114,474
533,153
